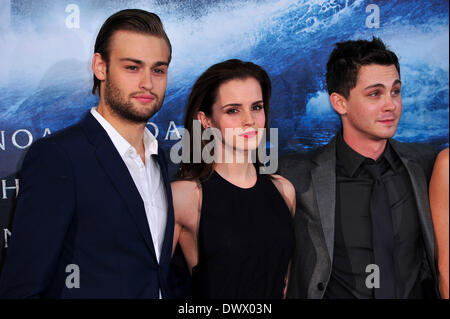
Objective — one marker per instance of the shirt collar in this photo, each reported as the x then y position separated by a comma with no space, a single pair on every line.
150,143
347,157
389,155
352,160
121,144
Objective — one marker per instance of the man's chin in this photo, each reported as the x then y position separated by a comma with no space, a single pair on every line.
142,115
134,117
146,109
385,135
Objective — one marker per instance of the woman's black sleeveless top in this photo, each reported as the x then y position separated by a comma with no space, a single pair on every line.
245,241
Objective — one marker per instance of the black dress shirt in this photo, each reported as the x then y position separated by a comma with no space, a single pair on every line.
353,249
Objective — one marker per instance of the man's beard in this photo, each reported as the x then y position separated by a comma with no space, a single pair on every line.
125,108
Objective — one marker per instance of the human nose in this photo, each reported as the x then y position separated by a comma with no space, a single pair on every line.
146,82
247,118
390,103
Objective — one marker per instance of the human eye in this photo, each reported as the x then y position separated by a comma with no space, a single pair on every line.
374,93
396,92
257,107
131,67
231,111
159,71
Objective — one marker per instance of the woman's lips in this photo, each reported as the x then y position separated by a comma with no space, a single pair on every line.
249,134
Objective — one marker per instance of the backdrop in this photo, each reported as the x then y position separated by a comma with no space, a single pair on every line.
46,48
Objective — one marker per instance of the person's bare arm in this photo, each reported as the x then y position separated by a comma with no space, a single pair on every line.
186,204
439,198
286,190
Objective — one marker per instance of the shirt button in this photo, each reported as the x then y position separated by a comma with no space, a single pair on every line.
320,286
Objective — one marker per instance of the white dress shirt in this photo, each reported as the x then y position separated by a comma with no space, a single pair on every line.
146,177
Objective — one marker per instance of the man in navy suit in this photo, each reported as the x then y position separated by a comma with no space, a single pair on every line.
94,216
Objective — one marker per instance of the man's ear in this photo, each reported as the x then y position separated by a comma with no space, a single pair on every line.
204,120
99,66
339,103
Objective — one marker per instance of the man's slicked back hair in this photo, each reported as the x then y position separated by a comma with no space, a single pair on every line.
134,20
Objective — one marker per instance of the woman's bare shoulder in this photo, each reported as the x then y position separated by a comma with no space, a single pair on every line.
286,189
185,185
186,195
443,156
441,164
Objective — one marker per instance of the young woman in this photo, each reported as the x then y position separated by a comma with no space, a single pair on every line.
234,224
439,210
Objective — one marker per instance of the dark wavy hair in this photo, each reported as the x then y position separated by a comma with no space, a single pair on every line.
135,20
347,58
202,97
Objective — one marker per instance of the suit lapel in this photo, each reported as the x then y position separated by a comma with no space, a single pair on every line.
166,250
324,182
120,177
420,189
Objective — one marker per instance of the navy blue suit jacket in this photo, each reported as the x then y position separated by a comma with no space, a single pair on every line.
78,204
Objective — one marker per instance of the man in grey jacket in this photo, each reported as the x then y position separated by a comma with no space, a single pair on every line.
363,223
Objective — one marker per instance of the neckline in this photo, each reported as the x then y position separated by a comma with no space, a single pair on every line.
234,185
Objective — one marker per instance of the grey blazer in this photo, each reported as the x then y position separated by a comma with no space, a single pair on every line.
314,178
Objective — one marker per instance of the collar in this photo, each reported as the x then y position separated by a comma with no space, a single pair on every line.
120,143
389,155
150,143
352,160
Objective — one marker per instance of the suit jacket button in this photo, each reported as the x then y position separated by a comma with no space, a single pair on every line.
320,286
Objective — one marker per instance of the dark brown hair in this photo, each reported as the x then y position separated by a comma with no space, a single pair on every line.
202,97
135,20
348,57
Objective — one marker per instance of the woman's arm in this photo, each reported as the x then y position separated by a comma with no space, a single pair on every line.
439,187
286,190
186,205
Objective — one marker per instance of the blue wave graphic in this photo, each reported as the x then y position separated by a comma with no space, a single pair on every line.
50,86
